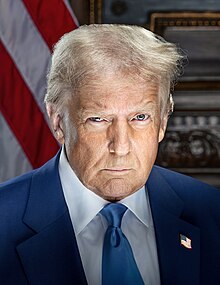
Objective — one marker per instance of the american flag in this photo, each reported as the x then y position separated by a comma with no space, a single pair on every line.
28,31
185,241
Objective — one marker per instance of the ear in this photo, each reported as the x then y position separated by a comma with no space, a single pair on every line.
163,127
55,122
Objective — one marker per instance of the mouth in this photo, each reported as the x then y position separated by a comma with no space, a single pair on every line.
118,170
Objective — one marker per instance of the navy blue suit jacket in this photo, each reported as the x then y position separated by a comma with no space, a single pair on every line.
38,245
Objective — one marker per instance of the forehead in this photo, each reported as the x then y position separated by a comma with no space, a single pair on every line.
116,92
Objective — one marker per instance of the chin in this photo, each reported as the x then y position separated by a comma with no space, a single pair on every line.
116,190
114,197
113,200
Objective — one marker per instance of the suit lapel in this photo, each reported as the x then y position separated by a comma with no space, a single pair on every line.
178,264
50,256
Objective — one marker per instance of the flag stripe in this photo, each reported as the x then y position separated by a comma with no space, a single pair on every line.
13,159
52,19
28,30
67,3
25,45
23,115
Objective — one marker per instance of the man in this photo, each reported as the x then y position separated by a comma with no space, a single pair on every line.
108,101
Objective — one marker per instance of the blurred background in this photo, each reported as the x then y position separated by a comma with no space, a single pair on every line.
29,29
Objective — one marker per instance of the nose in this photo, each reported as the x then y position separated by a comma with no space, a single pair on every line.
119,133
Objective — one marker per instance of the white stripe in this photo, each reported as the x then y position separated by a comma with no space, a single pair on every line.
66,2
13,160
26,46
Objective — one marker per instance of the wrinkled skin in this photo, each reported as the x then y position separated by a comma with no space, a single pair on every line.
111,132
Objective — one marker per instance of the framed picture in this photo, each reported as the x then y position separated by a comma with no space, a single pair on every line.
198,35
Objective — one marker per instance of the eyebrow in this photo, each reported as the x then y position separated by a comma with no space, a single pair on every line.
103,111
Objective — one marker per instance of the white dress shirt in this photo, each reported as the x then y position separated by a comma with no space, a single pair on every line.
90,226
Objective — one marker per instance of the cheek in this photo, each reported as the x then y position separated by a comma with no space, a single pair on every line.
147,138
91,144
85,152
146,146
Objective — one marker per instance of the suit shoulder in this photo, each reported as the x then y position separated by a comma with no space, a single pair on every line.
182,182
14,195
199,198
15,186
23,181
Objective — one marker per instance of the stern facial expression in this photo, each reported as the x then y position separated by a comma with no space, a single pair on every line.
111,134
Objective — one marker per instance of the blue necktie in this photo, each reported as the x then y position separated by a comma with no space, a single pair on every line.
118,263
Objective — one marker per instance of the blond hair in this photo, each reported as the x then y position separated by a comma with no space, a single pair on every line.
91,50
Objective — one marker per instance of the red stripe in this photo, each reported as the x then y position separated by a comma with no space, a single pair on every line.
23,115
52,19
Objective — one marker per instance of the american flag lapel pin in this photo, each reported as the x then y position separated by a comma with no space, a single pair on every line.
185,241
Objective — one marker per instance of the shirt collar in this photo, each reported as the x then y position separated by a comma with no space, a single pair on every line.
84,205
138,204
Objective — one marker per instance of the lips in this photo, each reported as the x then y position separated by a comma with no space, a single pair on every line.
117,169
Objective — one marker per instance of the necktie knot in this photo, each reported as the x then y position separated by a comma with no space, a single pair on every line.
114,213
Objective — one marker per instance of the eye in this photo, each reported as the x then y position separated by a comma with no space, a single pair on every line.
141,117
96,119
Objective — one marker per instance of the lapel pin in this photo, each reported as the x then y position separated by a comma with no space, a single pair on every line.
185,241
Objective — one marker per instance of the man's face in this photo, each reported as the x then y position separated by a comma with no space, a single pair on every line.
111,135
